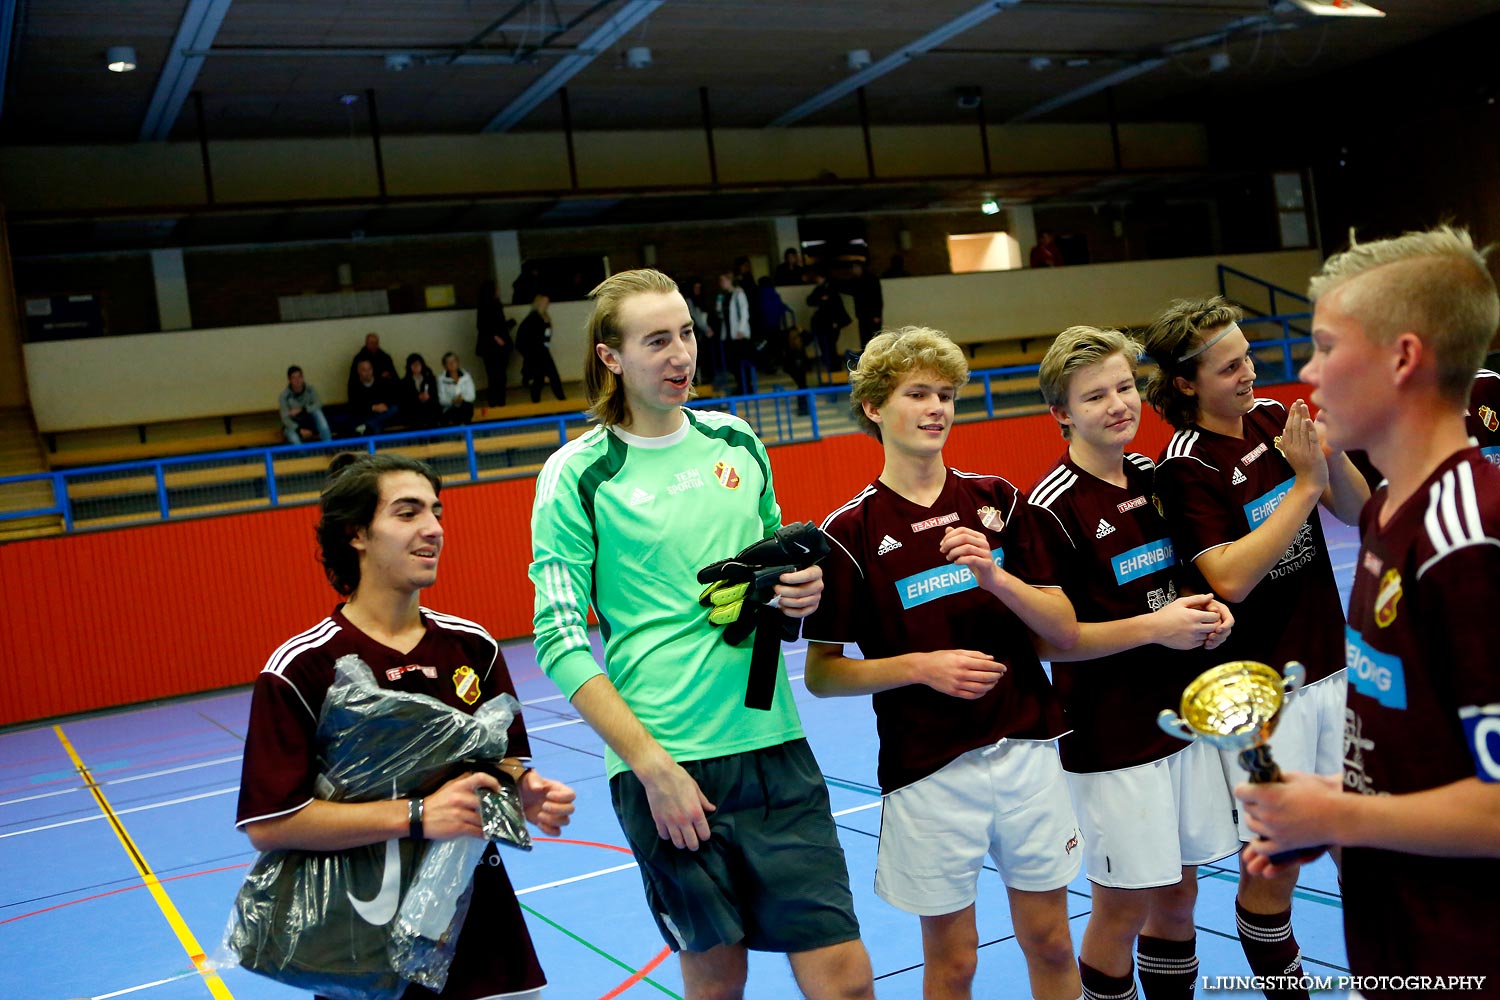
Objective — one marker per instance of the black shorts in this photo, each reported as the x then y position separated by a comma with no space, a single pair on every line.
772,873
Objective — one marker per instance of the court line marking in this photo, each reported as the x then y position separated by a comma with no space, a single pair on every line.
122,781
143,986
122,889
158,891
122,812
855,809
599,951
550,725
576,878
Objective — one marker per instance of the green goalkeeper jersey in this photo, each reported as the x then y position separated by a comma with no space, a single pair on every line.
624,523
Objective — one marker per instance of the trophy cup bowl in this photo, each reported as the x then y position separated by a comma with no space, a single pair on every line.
1235,707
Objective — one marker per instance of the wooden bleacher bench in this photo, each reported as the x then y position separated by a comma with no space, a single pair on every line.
111,445
238,472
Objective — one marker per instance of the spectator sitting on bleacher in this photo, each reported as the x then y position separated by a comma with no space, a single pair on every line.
455,392
301,410
380,362
372,400
419,395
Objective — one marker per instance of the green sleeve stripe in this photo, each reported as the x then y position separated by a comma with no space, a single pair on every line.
600,471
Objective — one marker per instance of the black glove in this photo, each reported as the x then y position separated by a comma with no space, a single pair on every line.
739,595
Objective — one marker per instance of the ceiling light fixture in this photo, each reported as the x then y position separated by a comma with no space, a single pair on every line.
638,57
120,58
398,61
1339,8
858,59
989,206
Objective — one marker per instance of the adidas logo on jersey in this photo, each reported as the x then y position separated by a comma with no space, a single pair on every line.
1237,478
640,496
1105,528
887,544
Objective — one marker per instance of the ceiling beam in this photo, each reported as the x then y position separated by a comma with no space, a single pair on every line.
200,23
7,30
633,12
1238,26
895,60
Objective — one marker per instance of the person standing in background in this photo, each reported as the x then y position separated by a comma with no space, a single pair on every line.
493,344
534,339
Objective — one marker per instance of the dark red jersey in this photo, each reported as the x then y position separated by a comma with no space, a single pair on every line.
1117,561
1215,490
1424,711
888,589
456,662
1484,414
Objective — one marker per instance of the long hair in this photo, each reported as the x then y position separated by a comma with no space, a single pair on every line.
606,392
1175,334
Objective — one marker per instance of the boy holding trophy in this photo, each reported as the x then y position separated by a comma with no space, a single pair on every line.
1399,328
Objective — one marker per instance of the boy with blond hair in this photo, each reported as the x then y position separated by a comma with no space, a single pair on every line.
935,576
1399,328
1152,808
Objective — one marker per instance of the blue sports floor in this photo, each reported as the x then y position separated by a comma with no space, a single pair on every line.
120,860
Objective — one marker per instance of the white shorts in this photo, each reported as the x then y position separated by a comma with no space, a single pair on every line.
1142,824
1008,802
1309,737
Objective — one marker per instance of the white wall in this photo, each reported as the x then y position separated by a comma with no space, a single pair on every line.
110,381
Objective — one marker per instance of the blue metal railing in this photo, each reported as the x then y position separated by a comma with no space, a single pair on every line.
1272,289
152,483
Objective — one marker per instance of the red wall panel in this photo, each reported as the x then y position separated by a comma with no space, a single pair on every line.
92,621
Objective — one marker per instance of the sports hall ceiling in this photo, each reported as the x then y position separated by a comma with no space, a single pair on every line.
265,69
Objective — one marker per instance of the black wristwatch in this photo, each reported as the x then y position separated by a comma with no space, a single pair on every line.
414,819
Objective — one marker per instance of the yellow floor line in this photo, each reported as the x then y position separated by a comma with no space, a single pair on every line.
168,908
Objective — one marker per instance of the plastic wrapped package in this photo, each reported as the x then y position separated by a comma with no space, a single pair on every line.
361,924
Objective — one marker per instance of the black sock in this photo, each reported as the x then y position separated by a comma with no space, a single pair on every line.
1098,986
1168,969
1271,948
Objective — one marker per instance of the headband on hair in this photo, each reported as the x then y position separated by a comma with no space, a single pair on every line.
1190,355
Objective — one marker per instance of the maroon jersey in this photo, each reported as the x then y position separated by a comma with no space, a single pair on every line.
1424,711
1118,562
1484,414
281,754
888,588
1215,490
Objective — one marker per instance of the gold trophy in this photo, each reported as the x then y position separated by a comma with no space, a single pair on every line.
1235,706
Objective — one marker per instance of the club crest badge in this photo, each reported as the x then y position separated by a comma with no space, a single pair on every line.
1385,600
1156,502
466,683
991,519
1489,418
726,475
1277,445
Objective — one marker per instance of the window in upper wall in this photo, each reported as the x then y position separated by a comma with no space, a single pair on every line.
970,252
